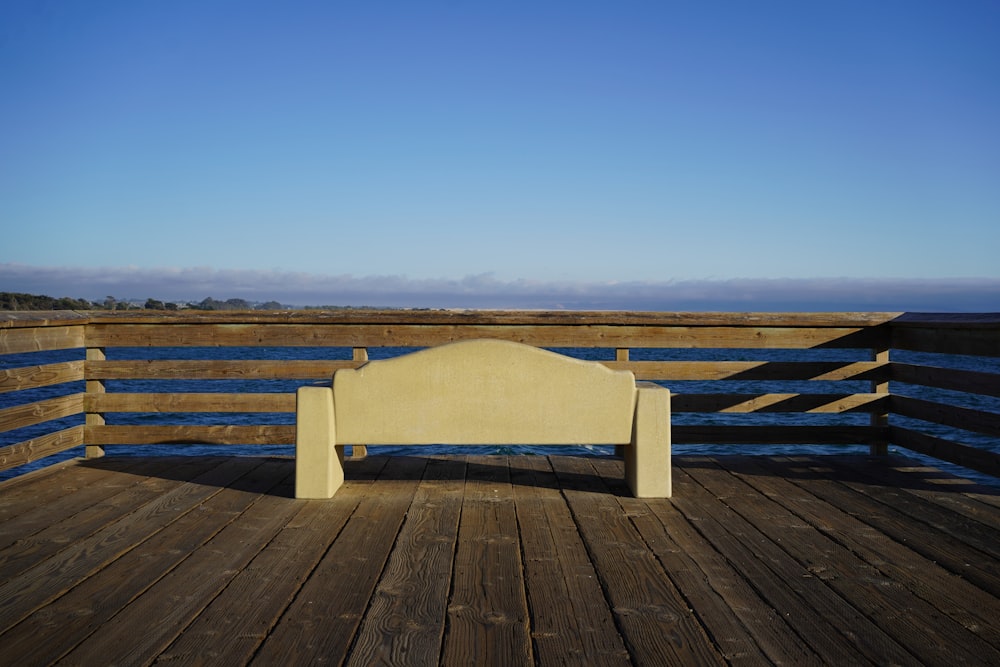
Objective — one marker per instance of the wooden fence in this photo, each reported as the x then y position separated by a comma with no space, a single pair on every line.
737,378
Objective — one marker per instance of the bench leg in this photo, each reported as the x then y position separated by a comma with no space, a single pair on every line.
647,460
319,461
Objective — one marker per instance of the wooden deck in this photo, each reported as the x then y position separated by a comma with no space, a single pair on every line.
495,560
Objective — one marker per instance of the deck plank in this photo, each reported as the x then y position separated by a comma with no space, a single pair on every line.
655,621
60,627
570,618
860,495
954,596
320,624
746,627
405,622
513,560
264,589
911,621
185,590
96,504
824,621
488,615
50,578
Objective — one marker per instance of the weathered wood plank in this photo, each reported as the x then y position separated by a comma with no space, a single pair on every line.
13,319
779,561
28,493
964,496
191,435
417,335
46,375
570,619
305,369
40,412
488,612
657,625
936,537
746,627
974,382
40,339
52,577
220,369
153,580
40,447
967,456
773,435
98,495
753,370
979,340
901,614
980,421
746,403
190,402
819,615
789,483
266,587
404,623
506,317
338,591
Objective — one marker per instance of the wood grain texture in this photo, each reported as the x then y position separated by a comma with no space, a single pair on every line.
754,560
40,447
40,412
487,621
33,377
190,435
404,623
40,339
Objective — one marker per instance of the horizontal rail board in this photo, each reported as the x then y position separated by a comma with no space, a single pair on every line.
32,377
300,369
979,341
243,369
40,447
975,382
190,435
40,339
285,402
776,435
500,317
871,371
285,435
414,335
39,412
808,403
967,456
968,419
190,402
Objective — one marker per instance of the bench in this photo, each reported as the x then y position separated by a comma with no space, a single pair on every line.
482,392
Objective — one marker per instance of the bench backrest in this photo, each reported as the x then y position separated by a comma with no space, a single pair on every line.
483,392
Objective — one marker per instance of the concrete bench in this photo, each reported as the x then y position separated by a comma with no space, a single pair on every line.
482,392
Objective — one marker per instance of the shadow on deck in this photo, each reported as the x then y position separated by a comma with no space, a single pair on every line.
499,560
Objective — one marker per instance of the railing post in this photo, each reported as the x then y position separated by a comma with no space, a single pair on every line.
880,446
360,451
94,387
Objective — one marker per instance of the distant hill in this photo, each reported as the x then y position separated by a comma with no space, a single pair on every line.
19,301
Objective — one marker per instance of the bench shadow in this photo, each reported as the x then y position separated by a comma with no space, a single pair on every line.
370,469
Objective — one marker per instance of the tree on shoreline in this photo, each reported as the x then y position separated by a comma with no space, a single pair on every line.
20,301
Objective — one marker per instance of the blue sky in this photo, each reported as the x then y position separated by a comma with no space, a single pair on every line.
386,151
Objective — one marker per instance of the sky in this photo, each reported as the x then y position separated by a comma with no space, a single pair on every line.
590,154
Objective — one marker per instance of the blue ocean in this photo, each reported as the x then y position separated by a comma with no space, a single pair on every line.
986,403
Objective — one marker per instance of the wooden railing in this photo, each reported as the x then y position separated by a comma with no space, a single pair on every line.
737,378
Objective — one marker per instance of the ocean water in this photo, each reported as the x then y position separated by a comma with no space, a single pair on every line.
987,403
